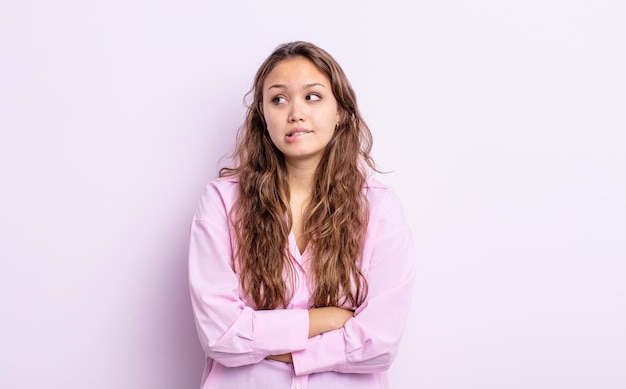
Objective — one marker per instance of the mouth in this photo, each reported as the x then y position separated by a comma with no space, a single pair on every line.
295,133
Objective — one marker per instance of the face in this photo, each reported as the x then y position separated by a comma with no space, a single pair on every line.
300,110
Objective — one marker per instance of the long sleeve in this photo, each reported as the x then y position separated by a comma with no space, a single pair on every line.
230,332
369,342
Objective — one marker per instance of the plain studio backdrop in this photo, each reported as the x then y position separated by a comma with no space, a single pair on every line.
503,124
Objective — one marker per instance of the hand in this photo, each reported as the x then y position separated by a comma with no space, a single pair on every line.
327,319
281,357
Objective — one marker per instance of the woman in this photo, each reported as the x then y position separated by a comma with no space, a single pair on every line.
301,264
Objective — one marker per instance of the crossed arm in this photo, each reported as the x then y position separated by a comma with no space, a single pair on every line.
320,320
314,340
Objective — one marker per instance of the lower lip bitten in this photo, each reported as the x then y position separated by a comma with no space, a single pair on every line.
292,137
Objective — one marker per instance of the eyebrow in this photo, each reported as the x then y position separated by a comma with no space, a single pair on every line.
283,86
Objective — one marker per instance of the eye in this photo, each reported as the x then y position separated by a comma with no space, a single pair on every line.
313,97
278,100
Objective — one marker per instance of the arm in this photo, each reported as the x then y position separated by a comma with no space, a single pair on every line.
370,341
320,320
231,332
327,319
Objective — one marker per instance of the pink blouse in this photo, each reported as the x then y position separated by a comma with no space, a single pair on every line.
237,338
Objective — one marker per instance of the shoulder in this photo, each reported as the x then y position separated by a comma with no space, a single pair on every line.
377,191
383,201
223,187
218,195
375,184
224,183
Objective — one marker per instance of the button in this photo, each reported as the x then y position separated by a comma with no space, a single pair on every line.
297,386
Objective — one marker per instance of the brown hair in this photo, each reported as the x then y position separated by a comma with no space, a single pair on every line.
336,217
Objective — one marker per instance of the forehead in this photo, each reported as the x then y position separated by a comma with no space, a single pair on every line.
295,72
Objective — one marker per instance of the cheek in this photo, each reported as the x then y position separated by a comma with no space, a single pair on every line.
274,134
332,118
271,117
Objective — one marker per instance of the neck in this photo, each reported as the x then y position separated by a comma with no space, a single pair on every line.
301,181
301,178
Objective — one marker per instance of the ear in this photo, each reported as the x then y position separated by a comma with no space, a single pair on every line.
340,114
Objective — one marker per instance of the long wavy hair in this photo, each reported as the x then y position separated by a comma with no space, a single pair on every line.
336,218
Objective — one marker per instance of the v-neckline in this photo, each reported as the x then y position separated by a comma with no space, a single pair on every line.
294,247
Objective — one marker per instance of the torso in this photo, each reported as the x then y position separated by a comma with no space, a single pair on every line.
297,206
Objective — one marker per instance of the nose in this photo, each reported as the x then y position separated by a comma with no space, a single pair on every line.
297,112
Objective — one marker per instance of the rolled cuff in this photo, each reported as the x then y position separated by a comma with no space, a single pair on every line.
324,352
281,331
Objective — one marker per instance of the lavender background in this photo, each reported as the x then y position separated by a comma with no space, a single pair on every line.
503,122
